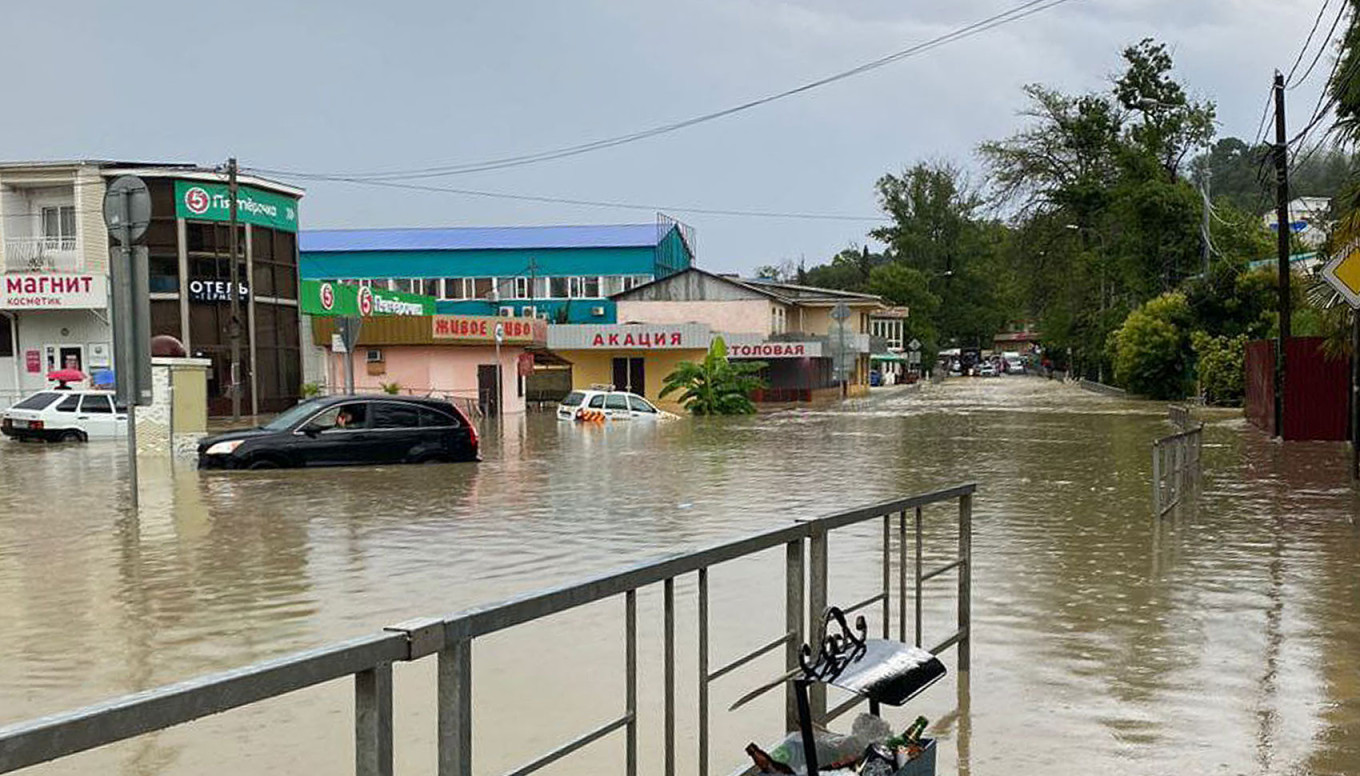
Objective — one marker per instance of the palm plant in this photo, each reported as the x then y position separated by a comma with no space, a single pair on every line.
716,385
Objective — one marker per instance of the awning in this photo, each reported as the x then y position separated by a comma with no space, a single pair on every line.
894,357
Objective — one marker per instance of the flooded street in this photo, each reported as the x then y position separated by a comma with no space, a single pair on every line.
1222,640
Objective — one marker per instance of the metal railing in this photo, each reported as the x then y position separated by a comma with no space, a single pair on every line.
1179,415
1175,468
369,658
1095,387
41,254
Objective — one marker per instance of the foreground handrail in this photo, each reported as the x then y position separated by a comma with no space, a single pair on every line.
369,658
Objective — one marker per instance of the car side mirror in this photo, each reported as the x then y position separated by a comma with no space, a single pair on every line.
311,430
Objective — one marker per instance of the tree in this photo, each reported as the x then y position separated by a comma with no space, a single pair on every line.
904,286
716,385
1151,353
1220,366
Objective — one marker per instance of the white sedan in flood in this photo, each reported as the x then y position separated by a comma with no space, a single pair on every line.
613,405
65,416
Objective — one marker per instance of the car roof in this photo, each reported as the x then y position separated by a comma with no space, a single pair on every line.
421,400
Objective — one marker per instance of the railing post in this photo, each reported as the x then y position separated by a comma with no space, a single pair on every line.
1157,477
817,601
919,571
373,721
669,671
793,624
703,672
455,709
887,575
630,682
965,580
902,577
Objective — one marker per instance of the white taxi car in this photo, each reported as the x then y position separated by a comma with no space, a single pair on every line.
65,416
611,404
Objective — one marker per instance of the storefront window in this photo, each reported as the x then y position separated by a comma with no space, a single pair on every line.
481,287
590,287
559,288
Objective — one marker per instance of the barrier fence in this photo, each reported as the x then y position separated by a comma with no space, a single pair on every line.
1175,468
368,659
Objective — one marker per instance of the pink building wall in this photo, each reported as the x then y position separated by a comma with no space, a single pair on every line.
753,316
440,369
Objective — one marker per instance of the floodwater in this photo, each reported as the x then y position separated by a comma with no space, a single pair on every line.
1223,639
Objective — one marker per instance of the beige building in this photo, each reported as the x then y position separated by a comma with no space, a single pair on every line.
792,328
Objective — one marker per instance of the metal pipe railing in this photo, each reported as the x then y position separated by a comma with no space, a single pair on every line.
369,659
1175,467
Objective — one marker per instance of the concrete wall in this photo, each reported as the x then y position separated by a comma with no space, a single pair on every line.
591,367
752,316
444,370
177,417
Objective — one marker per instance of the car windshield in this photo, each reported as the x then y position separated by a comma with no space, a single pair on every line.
38,401
573,399
290,417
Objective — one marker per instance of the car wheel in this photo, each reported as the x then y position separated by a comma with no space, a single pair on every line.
263,463
71,436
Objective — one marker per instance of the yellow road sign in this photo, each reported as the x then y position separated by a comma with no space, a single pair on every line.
1343,273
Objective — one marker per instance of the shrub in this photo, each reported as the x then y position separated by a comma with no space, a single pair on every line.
392,388
715,386
1151,350
1220,365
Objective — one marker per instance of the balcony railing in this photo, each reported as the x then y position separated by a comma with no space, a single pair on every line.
42,254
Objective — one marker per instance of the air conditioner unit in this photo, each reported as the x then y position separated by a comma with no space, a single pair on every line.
597,311
529,311
375,356
508,312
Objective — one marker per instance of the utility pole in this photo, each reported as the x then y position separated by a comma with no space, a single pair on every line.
234,326
1282,244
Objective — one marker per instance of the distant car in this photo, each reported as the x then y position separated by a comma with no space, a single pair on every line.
987,369
348,430
1014,362
615,405
65,416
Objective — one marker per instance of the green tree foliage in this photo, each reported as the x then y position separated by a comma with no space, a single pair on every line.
716,385
1220,367
1151,349
905,286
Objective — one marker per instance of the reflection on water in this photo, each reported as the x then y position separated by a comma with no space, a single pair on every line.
1224,639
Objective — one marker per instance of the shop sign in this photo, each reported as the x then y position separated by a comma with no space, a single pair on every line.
327,298
54,291
203,201
812,349
629,336
482,328
33,361
214,290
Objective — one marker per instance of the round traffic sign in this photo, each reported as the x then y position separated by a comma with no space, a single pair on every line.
327,296
127,205
365,300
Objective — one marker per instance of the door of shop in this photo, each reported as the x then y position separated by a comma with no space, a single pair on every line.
630,376
487,395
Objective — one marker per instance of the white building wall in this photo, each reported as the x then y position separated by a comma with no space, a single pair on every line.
37,330
91,235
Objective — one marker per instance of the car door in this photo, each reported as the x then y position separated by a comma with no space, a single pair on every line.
335,436
396,436
642,409
616,406
96,416
446,433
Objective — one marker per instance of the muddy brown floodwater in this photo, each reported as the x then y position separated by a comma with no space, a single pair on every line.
1222,640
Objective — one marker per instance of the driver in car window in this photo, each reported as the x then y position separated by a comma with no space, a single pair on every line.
344,419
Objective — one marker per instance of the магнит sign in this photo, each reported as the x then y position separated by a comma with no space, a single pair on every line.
53,291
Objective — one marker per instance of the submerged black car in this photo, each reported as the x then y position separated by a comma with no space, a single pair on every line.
347,430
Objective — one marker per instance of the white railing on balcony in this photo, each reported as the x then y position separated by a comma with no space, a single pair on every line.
41,254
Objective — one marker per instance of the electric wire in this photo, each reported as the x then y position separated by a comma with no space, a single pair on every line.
1024,10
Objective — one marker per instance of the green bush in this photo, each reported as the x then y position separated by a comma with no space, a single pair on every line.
715,386
1151,351
1220,365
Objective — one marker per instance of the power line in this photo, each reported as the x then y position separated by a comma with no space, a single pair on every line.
1021,11
1307,41
607,204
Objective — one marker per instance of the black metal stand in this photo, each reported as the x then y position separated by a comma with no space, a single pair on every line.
882,671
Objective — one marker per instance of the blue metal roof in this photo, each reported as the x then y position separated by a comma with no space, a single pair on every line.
480,238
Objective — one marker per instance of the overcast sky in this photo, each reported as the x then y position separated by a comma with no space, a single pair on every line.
344,86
